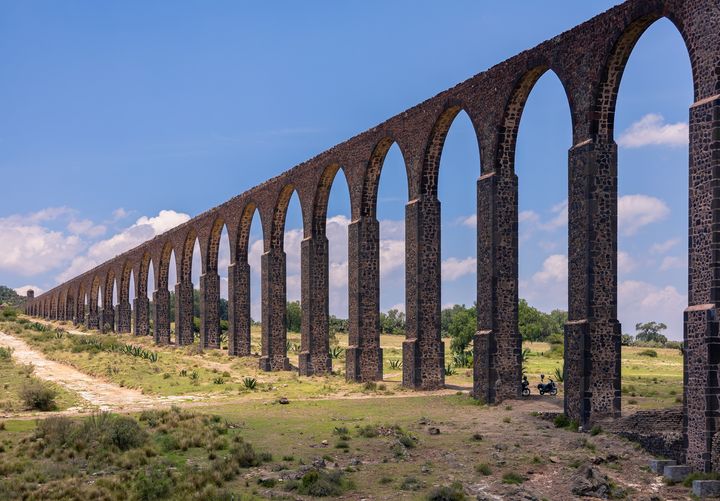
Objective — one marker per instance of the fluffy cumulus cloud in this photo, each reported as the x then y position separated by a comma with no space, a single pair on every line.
29,247
626,263
547,288
673,263
640,301
86,227
25,288
454,268
652,130
144,229
637,211
663,247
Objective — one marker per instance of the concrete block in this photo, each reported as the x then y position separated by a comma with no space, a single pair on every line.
706,488
658,465
676,473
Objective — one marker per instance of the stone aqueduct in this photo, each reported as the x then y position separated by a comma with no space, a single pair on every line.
589,61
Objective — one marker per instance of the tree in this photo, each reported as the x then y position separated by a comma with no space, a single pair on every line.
461,329
534,325
392,322
627,340
294,316
651,332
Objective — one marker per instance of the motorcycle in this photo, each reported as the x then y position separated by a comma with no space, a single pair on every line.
549,388
525,387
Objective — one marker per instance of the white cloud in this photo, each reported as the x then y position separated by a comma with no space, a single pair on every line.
528,216
454,268
643,302
636,211
119,214
398,307
86,227
625,262
673,262
144,229
469,221
651,130
23,290
28,248
560,219
554,269
663,247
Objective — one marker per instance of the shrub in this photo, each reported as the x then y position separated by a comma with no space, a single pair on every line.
125,433
151,484
368,431
450,370
9,313
700,476
370,386
5,353
410,484
483,469
513,478
648,353
453,492
320,483
37,396
559,375
596,430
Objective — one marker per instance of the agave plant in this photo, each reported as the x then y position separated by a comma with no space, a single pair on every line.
250,383
335,352
559,374
219,380
395,363
450,370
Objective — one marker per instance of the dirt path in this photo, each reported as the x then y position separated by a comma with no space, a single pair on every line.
98,393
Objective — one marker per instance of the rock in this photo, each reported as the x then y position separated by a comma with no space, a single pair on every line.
434,431
283,400
554,459
319,462
588,481
500,447
356,462
426,470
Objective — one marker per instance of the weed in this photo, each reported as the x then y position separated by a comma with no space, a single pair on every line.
370,386
5,353
513,478
596,430
37,396
450,370
453,492
368,431
410,484
483,469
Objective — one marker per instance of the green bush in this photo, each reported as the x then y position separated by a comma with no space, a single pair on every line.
648,353
321,483
453,492
513,478
153,483
125,433
9,313
5,353
483,469
36,396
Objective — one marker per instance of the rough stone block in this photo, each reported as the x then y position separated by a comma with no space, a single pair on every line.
658,465
706,488
676,473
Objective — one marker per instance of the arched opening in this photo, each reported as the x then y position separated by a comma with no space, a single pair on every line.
250,250
196,269
223,262
392,197
292,245
651,131
148,289
544,137
458,170
171,281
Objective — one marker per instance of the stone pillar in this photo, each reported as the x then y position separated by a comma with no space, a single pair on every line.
315,346
106,316
701,400
364,357
79,317
274,306
592,334
497,345
124,317
209,310
69,307
30,294
141,316
60,312
423,348
184,313
239,320
92,320
161,316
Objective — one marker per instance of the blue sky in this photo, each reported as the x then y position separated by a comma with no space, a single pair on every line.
123,119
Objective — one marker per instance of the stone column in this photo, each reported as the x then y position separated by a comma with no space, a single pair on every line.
423,348
69,307
592,334
239,320
497,345
106,316
124,317
161,316
274,306
141,316
209,310
184,313
315,350
79,317
92,320
701,400
60,313
364,357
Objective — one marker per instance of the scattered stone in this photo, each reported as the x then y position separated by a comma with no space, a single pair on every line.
434,431
588,481
319,462
554,459
324,442
706,488
356,462
676,473
426,470
424,421
283,400
658,465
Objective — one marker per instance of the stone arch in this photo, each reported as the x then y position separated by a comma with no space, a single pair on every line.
242,243
276,240
163,269
371,180
507,136
603,124
141,281
210,261
80,304
322,197
435,145
124,285
184,262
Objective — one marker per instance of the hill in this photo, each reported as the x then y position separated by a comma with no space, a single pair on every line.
10,297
